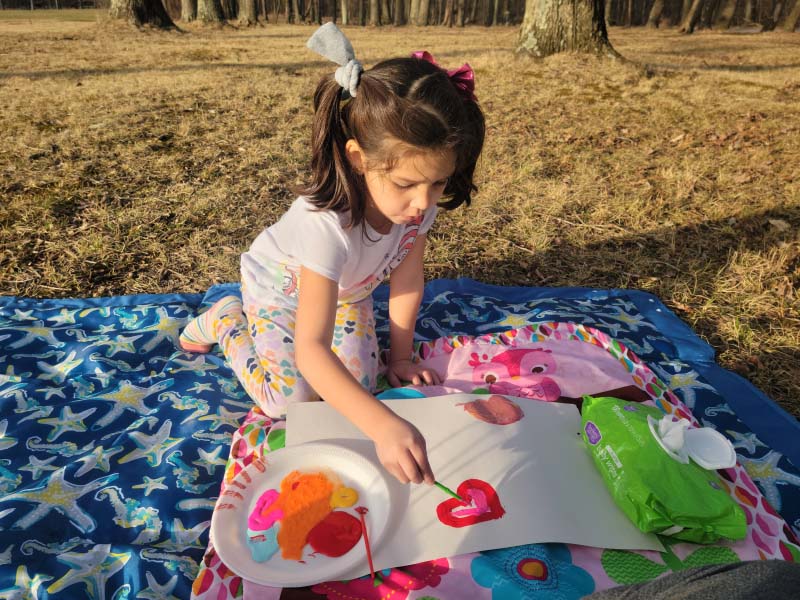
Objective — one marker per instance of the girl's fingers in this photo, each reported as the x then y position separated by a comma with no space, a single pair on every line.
421,458
416,380
394,381
398,473
431,377
409,465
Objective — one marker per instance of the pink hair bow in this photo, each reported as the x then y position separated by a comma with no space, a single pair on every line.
463,77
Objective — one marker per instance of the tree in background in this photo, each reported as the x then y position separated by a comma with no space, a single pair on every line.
552,26
188,10
141,13
248,13
209,11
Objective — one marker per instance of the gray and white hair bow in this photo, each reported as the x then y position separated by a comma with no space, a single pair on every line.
330,42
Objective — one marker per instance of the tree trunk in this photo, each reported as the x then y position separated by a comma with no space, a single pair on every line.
188,10
473,12
655,13
447,19
399,12
248,13
424,9
413,12
776,13
790,24
552,26
496,16
725,15
691,18
209,11
141,12
748,11
345,14
765,18
686,5
708,12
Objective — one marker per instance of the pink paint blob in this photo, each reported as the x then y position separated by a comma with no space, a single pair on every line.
262,517
478,505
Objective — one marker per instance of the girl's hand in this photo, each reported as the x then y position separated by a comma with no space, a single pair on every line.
407,370
401,450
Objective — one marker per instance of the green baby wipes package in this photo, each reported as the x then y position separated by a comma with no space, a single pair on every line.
644,459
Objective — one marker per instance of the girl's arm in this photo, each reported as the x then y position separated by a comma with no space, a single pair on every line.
406,285
400,446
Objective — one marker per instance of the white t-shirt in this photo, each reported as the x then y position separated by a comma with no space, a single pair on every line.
359,259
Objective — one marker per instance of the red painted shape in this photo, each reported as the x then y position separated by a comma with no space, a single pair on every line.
336,534
497,410
480,503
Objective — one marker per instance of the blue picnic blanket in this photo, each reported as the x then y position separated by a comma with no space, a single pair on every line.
113,441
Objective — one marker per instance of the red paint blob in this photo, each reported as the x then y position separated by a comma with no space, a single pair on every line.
336,534
497,410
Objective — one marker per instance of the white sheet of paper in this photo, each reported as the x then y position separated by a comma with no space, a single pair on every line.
539,467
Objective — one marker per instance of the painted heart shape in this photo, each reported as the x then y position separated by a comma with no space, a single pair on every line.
497,410
480,503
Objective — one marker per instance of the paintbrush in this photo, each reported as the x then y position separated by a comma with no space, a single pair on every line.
447,490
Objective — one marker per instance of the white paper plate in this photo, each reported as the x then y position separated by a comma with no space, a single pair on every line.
229,521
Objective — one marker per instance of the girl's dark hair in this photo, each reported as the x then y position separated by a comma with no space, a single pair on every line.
408,99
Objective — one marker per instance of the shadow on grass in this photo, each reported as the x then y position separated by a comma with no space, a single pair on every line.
674,262
204,67
720,67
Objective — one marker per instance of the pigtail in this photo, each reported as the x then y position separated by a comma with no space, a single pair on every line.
334,185
461,186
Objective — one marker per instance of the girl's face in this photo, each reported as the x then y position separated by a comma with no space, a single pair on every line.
401,194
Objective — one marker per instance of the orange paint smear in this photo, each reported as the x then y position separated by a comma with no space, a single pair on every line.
305,501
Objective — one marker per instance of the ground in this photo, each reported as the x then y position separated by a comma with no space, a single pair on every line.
145,162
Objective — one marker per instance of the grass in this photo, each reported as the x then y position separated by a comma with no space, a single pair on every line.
147,162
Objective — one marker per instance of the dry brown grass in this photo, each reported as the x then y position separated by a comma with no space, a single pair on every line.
146,162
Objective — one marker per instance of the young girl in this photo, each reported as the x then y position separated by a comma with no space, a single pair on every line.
385,150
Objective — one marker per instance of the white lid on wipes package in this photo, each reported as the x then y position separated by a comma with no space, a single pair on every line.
708,448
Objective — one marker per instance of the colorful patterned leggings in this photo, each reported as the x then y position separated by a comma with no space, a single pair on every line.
258,342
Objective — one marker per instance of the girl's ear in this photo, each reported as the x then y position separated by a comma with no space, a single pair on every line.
355,156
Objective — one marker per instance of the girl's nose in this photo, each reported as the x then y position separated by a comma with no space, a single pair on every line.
425,199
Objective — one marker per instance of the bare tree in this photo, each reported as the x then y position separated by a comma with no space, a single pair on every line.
188,10
248,13
373,12
209,11
399,12
790,24
655,13
552,26
424,9
141,13
725,14
691,17
447,19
